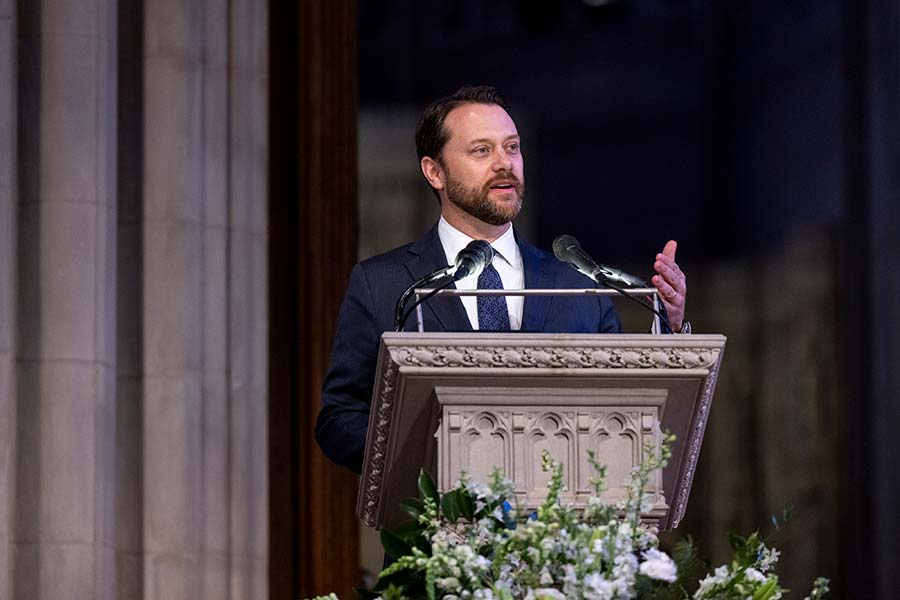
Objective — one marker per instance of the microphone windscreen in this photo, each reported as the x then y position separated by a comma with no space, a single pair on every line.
483,248
563,246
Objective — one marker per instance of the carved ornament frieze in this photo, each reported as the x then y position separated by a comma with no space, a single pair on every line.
563,357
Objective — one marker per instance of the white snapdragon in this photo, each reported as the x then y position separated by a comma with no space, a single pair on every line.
625,567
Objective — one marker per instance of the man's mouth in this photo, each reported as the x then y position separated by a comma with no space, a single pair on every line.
503,185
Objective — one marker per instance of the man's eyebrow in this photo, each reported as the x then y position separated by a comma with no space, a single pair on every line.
489,140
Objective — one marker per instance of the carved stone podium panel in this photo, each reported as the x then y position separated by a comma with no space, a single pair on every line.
473,401
509,428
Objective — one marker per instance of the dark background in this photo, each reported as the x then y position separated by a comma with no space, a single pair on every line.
763,136
719,124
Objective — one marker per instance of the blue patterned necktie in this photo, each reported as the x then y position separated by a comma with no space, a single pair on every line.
493,314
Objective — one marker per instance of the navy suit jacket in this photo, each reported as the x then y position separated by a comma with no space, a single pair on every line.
368,311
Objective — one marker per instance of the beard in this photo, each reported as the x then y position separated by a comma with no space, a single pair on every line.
478,203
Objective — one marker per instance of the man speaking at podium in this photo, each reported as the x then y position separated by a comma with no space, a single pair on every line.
470,154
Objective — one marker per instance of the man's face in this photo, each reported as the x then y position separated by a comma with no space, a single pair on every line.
482,163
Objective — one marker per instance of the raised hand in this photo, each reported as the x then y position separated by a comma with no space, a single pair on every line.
672,285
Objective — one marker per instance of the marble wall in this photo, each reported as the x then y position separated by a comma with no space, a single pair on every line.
133,458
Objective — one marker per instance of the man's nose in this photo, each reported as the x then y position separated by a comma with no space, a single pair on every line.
502,161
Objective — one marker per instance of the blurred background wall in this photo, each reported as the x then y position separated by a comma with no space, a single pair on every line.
133,315
185,185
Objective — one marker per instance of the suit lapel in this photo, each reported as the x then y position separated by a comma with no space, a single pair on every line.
537,276
427,255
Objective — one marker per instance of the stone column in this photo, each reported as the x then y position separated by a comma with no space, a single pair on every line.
176,281
204,304
64,513
7,287
248,300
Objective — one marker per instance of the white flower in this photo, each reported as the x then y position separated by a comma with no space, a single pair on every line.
719,576
570,577
483,594
658,565
597,588
768,558
447,583
753,575
548,594
546,577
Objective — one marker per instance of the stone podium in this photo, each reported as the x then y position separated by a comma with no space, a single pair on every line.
472,401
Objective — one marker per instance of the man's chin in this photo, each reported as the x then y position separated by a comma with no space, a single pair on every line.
498,217
493,208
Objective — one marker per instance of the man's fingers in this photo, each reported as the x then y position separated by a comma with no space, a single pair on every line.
668,261
665,290
670,248
672,275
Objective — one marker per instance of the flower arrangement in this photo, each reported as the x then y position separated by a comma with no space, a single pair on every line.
471,543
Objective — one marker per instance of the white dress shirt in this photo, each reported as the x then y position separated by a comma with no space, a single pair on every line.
507,261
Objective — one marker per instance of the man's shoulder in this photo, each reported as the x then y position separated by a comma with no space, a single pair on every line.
391,258
563,273
401,255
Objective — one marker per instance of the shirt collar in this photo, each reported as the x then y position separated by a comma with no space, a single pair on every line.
453,240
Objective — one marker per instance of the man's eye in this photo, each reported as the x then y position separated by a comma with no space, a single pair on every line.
480,150
513,148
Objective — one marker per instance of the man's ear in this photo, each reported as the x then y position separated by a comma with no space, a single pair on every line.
433,172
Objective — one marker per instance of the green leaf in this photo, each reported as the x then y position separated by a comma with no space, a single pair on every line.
393,593
752,544
394,545
466,505
408,531
503,594
413,507
427,489
363,594
738,543
450,506
766,590
787,513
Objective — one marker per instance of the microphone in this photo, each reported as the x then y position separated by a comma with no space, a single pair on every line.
472,259
567,249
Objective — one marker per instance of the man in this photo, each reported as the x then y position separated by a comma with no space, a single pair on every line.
470,154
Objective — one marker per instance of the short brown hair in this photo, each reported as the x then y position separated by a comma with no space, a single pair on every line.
431,135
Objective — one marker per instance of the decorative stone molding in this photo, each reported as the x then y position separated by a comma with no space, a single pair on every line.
554,358
695,441
381,431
